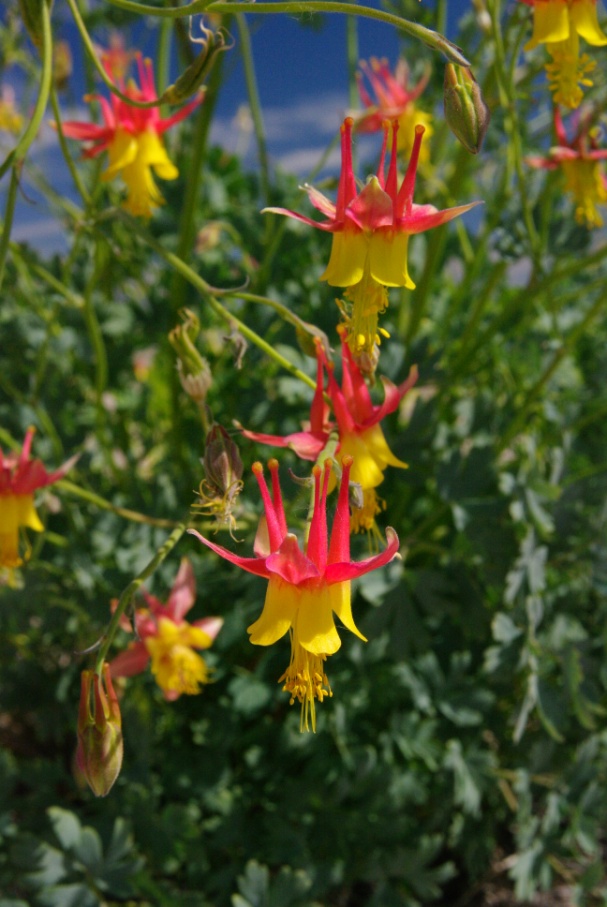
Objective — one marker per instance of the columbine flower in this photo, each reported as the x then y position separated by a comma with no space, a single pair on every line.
580,160
371,231
169,641
394,100
306,587
559,24
20,477
132,136
357,428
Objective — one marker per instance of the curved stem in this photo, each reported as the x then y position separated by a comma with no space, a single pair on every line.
297,7
130,590
209,295
86,40
17,155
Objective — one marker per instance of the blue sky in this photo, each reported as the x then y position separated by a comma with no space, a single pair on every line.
302,80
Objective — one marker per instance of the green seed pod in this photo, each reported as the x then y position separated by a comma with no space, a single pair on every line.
465,109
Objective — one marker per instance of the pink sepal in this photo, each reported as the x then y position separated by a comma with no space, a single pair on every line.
348,570
133,660
254,565
290,564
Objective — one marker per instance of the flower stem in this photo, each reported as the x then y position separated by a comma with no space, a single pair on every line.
17,155
66,154
93,498
254,102
298,7
132,588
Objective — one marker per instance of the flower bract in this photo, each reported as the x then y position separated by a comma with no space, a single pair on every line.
169,642
306,586
100,744
132,137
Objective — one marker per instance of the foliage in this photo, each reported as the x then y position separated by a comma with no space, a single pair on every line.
466,739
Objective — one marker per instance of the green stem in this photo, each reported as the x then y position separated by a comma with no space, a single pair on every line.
132,515
65,150
255,105
7,225
131,589
298,7
17,155
86,40
209,294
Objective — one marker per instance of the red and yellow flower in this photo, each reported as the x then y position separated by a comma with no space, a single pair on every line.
132,136
371,231
306,587
580,159
168,641
20,477
357,427
559,24
393,99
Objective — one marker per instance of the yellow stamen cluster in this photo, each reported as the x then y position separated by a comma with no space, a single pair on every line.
361,307
568,71
305,679
362,518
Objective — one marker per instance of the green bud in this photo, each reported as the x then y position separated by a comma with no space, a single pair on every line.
465,109
100,746
191,80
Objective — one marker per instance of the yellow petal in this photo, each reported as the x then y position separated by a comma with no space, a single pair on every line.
366,470
280,607
550,22
347,262
122,152
152,153
388,258
314,627
377,445
585,21
341,604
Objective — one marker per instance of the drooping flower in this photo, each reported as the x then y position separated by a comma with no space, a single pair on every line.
357,428
100,744
305,587
559,24
579,158
20,477
393,99
132,136
371,231
169,642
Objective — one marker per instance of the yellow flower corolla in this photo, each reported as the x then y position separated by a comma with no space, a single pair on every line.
15,511
133,157
174,663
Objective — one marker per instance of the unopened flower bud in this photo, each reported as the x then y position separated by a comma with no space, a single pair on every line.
191,80
222,463
194,370
100,746
465,109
